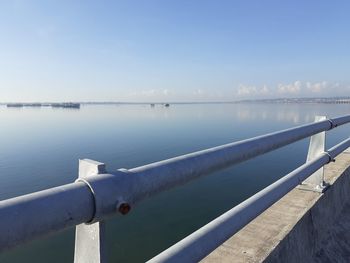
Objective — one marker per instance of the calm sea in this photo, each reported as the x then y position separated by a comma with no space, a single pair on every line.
40,148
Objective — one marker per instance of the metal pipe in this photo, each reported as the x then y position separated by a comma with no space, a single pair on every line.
163,175
37,214
134,185
199,244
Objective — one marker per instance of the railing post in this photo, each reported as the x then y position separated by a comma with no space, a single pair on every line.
317,146
90,238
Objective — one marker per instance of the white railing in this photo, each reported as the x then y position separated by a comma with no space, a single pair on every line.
97,194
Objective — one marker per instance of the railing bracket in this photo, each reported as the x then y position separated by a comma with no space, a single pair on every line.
90,238
317,147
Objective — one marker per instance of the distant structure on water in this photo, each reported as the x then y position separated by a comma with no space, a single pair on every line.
53,105
18,105
66,105
164,104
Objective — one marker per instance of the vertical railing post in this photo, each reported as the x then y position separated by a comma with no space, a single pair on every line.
90,238
317,146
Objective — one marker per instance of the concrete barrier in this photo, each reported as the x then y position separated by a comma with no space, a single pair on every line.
303,226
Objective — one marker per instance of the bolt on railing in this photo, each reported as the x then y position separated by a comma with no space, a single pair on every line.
97,195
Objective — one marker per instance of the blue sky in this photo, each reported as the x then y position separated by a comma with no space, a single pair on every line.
173,50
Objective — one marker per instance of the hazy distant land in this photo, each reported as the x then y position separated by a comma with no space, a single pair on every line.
332,100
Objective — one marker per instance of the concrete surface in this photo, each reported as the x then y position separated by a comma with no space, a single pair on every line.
303,226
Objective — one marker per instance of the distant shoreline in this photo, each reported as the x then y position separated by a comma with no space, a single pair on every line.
334,100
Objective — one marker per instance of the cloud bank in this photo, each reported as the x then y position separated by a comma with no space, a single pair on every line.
295,89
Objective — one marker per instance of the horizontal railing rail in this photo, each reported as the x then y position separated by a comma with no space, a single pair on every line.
95,197
199,244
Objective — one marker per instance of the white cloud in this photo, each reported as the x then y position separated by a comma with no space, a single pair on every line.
245,91
150,93
293,88
198,92
264,90
317,87
308,88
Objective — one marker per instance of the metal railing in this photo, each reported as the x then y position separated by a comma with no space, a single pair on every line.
97,195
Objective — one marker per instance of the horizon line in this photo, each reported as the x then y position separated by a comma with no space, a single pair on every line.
178,102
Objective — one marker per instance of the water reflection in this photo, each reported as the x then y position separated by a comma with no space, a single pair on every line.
295,114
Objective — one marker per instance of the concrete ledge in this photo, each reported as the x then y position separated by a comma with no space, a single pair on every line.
303,226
